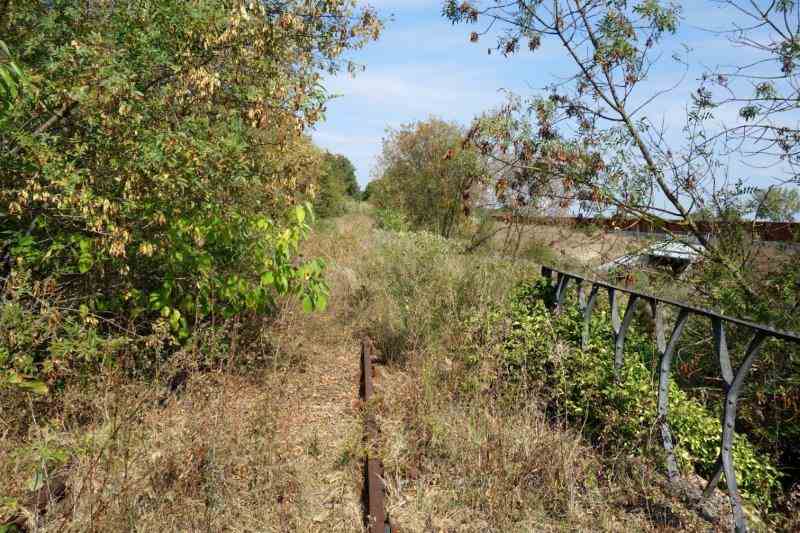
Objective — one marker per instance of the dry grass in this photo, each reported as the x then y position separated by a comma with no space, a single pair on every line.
488,460
266,441
562,245
272,440
230,453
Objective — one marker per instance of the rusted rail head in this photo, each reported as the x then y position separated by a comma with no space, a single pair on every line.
732,379
374,493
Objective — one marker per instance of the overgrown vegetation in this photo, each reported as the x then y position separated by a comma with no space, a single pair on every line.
337,184
155,172
159,257
469,444
476,352
619,413
156,184
426,174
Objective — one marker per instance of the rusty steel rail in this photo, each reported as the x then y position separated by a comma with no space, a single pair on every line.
732,379
376,519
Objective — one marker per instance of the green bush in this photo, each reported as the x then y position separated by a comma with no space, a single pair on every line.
155,173
619,413
391,219
428,172
337,185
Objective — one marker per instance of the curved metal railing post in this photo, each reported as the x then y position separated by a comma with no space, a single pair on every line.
622,331
733,382
587,315
667,350
561,290
732,386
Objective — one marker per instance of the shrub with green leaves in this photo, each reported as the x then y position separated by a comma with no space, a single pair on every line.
155,170
337,184
391,219
619,412
429,173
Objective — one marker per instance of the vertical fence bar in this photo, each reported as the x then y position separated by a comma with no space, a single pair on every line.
667,349
732,382
658,325
587,315
721,350
613,300
619,341
732,388
561,291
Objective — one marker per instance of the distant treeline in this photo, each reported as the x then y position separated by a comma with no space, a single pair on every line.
763,230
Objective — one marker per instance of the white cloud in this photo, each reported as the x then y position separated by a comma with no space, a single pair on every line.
440,90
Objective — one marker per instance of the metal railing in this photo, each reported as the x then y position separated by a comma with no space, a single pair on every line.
732,379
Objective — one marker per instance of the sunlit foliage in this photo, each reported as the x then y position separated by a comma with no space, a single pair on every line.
427,173
155,169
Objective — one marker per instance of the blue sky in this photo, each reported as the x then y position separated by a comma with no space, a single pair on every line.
423,66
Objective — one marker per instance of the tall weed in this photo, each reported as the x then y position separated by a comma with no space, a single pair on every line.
421,289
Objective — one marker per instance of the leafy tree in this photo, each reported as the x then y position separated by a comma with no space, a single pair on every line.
336,177
589,141
616,159
337,181
345,172
776,204
763,89
428,174
369,190
154,169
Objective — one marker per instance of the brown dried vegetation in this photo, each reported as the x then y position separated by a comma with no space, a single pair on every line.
270,438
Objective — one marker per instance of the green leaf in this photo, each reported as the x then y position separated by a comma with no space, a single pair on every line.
322,302
9,82
299,214
36,387
308,304
310,210
84,264
36,481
